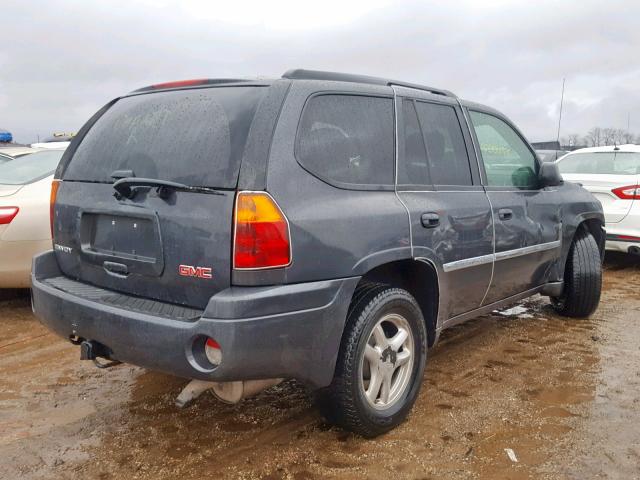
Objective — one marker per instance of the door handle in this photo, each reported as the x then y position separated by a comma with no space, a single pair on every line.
430,220
116,269
505,214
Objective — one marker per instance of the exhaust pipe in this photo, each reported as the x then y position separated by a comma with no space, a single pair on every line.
234,392
227,392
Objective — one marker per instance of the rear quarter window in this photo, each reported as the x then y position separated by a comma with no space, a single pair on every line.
195,137
348,140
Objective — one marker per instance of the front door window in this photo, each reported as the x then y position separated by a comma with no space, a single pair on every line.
508,161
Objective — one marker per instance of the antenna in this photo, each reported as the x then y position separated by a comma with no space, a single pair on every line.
560,117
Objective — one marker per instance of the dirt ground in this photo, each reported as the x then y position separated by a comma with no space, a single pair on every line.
562,395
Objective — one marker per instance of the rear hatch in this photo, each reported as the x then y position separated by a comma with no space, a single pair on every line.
171,244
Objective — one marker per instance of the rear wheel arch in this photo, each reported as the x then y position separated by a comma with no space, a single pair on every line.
417,277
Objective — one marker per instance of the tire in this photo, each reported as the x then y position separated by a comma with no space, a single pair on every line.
582,278
366,359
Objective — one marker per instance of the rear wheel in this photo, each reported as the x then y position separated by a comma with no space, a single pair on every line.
582,278
380,364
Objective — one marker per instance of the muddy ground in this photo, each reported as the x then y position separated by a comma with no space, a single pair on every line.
563,395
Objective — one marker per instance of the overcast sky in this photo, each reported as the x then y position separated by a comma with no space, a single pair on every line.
61,60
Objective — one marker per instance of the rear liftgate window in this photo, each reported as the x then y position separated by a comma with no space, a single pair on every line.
348,140
195,137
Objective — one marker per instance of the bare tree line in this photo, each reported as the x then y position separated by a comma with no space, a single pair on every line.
598,137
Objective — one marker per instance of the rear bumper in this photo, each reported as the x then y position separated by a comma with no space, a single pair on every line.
626,246
287,331
624,236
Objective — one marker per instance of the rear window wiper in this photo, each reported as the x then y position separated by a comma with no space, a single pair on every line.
126,187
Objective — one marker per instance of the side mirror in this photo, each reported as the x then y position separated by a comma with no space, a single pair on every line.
549,175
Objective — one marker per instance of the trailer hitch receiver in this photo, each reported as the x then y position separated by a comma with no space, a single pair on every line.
92,350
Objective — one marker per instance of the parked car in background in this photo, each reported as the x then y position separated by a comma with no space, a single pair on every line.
5,136
550,155
612,174
57,140
25,190
324,227
50,145
15,151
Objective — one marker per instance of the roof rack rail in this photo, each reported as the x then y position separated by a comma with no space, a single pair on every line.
191,83
302,74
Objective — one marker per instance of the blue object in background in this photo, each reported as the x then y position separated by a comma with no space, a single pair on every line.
5,136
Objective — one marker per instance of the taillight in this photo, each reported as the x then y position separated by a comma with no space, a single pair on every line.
7,214
213,351
52,201
261,233
632,192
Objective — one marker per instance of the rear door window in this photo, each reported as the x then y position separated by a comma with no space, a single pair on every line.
412,167
446,150
194,136
348,139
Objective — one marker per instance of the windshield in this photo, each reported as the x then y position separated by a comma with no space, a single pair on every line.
605,163
195,137
30,168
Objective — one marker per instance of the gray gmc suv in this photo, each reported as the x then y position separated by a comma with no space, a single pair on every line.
323,227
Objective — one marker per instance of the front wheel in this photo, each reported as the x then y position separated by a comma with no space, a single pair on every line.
380,364
582,278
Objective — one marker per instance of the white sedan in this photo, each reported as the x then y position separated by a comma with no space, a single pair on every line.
612,174
25,192
10,150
